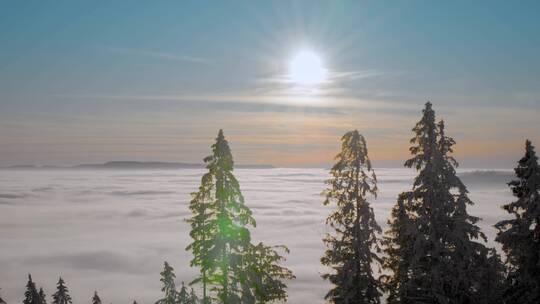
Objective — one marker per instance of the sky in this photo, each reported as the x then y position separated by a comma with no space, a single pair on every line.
89,82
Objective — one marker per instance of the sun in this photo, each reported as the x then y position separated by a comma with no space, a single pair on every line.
307,69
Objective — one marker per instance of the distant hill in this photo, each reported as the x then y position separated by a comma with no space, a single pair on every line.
136,165
482,177
140,165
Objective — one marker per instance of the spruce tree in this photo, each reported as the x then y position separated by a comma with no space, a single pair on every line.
219,223
219,229
352,247
433,248
183,296
31,295
42,296
168,286
520,236
397,247
96,299
262,277
61,296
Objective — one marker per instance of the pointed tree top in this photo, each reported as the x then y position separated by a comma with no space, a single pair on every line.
529,147
428,108
96,299
428,113
221,153
530,153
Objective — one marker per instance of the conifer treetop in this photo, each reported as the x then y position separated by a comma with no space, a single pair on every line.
352,246
96,299
168,286
31,295
222,156
520,235
61,295
424,143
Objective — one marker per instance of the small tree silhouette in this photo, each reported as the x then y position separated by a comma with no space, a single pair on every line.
61,296
96,299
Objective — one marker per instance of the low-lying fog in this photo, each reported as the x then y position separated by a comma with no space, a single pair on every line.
111,230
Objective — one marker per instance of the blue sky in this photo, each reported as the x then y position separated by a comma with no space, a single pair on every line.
155,80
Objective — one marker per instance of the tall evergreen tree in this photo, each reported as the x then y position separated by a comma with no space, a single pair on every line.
42,296
220,222
96,299
352,248
31,295
442,259
520,236
61,296
168,286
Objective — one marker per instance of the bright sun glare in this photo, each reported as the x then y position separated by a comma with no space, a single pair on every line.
306,68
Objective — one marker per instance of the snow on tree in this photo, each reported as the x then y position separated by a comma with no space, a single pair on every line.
61,296
352,247
31,295
168,286
434,248
520,236
262,277
219,229
96,299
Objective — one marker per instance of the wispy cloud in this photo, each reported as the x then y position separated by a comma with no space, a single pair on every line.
336,83
155,54
255,98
